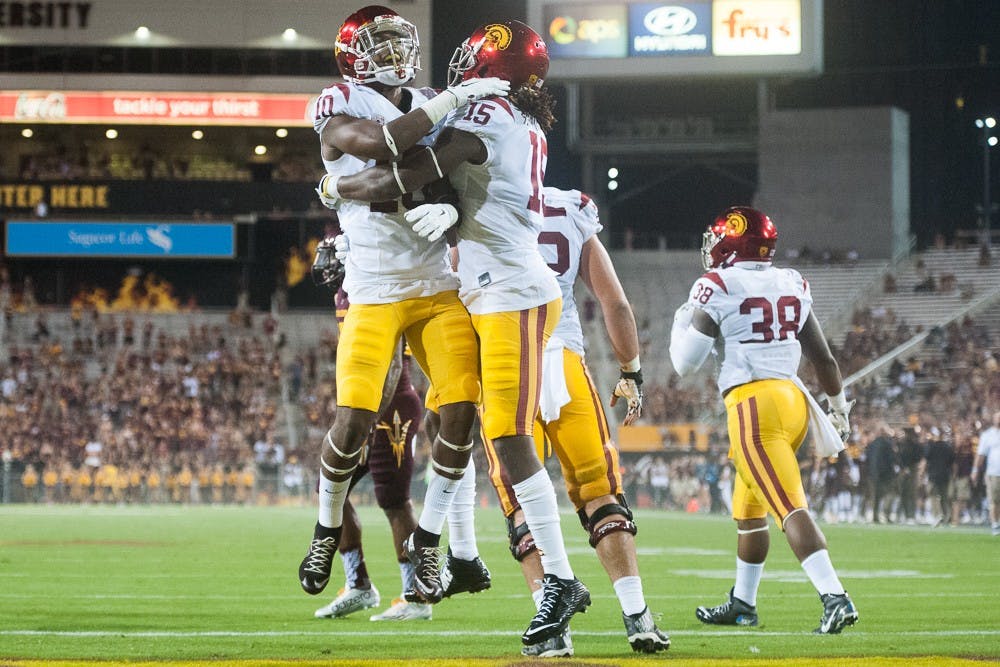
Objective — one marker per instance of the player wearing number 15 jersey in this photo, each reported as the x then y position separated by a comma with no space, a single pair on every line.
763,316
494,152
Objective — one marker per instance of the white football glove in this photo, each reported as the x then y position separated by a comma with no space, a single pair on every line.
341,247
840,408
327,191
452,98
629,387
476,89
431,221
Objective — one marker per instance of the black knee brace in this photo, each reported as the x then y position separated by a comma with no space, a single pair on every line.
615,525
515,534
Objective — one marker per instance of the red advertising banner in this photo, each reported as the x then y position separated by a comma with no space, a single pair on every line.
153,108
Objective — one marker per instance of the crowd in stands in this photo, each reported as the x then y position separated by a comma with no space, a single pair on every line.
124,412
145,163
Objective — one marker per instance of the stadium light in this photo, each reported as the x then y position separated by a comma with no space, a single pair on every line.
142,33
27,133
197,135
111,133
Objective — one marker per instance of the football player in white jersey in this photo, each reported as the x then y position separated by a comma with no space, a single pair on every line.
494,152
762,315
573,422
399,282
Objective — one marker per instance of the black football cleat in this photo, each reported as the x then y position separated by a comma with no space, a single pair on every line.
838,613
464,576
733,611
643,635
426,561
561,599
314,571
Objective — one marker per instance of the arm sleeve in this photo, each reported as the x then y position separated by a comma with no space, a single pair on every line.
688,347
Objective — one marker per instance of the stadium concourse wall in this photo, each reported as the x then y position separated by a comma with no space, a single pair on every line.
838,179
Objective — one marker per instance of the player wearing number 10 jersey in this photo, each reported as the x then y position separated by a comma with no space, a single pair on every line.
494,153
399,282
762,314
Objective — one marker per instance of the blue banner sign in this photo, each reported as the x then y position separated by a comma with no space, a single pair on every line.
682,28
124,239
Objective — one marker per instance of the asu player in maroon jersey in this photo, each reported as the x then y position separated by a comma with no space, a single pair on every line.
763,317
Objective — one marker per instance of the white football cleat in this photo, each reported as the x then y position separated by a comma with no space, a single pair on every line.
348,601
401,610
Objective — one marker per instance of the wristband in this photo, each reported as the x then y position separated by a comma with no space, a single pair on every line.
328,183
631,366
389,141
838,402
632,375
440,106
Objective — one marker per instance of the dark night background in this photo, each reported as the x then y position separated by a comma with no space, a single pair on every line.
938,60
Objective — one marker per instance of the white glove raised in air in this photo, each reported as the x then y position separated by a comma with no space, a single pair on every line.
341,247
327,191
629,387
840,408
452,98
431,221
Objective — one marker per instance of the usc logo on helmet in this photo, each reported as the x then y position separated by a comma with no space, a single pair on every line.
499,35
736,224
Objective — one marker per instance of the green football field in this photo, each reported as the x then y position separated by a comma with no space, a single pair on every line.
219,584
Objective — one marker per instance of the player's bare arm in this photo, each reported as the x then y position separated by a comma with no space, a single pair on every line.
385,182
365,138
817,351
598,273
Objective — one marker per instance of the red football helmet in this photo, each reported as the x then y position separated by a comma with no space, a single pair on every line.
509,50
377,44
739,234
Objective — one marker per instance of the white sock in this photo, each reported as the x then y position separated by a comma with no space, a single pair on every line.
406,572
462,517
820,571
350,559
629,592
537,597
437,500
537,498
332,496
748,577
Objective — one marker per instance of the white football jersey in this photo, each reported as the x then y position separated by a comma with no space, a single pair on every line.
569,220
500,266
760,310
388,261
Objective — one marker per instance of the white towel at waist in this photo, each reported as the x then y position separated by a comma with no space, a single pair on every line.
825,438
555,394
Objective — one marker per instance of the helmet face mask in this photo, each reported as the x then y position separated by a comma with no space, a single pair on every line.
509,50
738,234
375,44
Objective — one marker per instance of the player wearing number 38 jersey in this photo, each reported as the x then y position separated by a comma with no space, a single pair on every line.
763,316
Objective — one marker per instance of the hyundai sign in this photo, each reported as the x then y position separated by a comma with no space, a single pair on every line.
656,29
125,239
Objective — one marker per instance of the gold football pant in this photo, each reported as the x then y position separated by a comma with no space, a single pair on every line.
510,351
439,333
767,422
580,438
